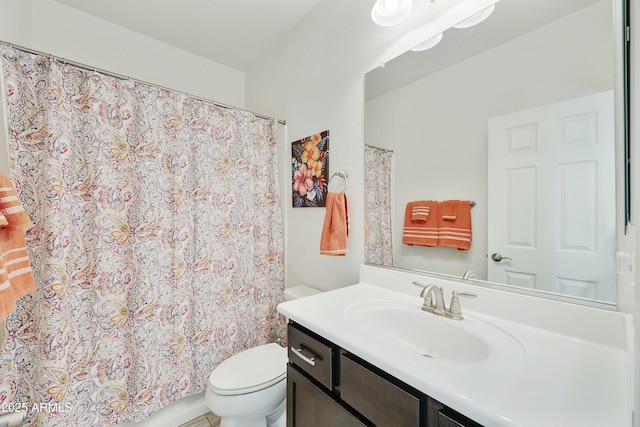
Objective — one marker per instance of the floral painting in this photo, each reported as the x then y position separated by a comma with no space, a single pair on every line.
309,170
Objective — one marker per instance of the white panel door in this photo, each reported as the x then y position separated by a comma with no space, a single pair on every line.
552,198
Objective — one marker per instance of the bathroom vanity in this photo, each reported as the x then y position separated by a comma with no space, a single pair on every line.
367,355
329,386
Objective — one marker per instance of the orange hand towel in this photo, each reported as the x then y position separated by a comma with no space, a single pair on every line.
10,206
449,209
456,233
417,232
335,229
16,279
420,211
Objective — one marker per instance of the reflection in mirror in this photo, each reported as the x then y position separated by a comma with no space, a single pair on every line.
516,114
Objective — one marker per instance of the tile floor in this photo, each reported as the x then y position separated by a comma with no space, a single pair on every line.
206,420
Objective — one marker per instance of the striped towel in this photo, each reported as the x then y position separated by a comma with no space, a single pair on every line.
449,209
455,226
10,207
421,232
16,279
420,210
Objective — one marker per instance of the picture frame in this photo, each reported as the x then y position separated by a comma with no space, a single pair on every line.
309,170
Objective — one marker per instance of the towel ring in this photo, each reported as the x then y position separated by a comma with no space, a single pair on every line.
342,174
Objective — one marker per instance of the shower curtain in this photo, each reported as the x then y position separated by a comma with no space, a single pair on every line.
157,247
378,245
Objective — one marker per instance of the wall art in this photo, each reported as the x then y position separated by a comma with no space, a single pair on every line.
309,170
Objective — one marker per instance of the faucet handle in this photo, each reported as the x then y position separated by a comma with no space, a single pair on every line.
464,294
454,311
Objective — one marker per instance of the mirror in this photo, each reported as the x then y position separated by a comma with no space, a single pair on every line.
439,111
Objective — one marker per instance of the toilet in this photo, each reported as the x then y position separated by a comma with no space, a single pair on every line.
249,388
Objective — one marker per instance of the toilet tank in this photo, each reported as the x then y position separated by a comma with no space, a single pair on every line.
299,291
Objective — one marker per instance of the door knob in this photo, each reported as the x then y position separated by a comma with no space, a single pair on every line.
497,257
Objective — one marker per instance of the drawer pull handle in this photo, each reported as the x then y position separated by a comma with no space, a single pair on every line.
298,352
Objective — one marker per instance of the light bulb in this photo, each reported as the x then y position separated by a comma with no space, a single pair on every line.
391,5
391,12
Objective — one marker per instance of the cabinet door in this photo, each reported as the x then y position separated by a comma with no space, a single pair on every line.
446,421
376,398
440,415
309,406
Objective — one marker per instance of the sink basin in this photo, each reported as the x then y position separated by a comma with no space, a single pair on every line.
404,323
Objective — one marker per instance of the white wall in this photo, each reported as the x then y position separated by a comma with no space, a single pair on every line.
15,16
314,79
438,126
52,28
635,133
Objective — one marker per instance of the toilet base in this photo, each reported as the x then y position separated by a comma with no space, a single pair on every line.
228,422
277,419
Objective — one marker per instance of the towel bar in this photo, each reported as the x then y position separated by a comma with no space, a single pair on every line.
342,174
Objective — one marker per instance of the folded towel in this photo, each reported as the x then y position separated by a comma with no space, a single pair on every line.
10,206
335,229
456,233
420,210
2,333
16,279
418,232
449,209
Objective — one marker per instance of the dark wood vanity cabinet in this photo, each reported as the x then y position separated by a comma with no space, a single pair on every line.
378,399
312,400
310,406
329,387
440,415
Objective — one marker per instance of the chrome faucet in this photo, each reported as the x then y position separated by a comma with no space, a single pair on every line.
434,301
469,274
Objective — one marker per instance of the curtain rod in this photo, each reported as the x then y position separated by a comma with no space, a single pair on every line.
123,77
378,148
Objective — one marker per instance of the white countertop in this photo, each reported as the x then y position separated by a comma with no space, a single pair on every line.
559,379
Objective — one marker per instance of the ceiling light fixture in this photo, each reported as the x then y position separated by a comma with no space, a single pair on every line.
391,12
476,18
428,44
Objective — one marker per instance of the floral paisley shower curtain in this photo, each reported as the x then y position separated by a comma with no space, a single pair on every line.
157,246
377,167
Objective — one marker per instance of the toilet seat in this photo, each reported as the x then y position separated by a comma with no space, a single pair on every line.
250,370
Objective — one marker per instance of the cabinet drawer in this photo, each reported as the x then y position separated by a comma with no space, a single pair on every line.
311,355
377,399
443,416
309,406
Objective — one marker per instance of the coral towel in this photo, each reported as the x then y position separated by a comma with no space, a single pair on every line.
336,225
16,279
424,230
455,224
420,211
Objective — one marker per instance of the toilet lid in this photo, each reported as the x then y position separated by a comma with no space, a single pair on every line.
250,370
